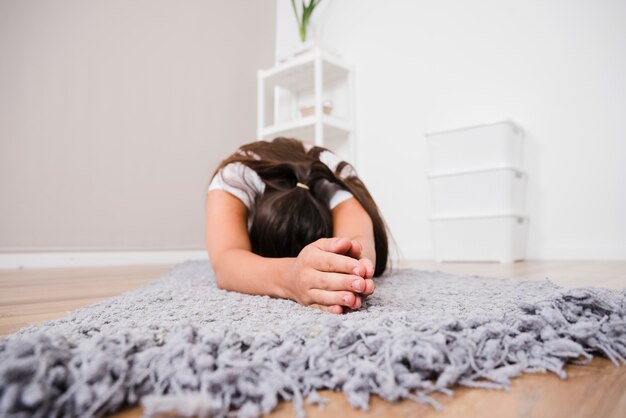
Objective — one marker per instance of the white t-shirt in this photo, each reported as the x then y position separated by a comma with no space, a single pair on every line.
252,185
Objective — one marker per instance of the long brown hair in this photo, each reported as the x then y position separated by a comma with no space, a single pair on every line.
286,218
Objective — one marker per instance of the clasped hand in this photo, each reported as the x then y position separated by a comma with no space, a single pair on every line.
331,274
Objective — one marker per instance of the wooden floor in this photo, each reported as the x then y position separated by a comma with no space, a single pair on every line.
29,296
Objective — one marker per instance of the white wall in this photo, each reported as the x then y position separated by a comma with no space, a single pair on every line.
556,67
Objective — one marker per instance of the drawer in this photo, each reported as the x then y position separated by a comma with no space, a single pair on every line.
486,192
491,145
481,238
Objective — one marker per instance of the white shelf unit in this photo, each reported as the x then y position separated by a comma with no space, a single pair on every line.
310,79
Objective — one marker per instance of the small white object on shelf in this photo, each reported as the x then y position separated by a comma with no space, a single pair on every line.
480,238
489,145
311,79
480,192
310,110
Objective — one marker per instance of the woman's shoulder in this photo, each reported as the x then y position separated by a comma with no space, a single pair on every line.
332,161
239,180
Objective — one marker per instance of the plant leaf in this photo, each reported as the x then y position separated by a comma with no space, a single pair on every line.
295,11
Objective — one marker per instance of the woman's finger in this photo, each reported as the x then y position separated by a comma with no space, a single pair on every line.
368,266
328,297
369,287
339,281
335,263
337,245
335,309
356,249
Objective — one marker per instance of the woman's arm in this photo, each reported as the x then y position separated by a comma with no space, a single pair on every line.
351,220
322,275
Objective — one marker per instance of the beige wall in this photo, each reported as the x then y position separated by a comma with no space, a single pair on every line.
114,113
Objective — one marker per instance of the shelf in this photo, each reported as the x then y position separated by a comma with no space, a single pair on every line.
298,74
308,78
304,128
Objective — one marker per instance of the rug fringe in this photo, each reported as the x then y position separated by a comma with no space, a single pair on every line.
218,372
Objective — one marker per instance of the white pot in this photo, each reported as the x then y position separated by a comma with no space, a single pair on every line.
480,238
496,191
490,145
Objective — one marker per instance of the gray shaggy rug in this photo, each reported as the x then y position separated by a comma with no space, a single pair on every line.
182,345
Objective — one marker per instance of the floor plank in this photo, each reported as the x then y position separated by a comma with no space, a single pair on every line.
31,296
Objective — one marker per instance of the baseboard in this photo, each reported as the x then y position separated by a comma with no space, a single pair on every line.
92,259
577,253
536,253
119,258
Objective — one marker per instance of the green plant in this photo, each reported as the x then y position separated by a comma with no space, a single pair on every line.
307,11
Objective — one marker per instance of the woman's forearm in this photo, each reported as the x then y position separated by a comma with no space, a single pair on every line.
243,271
352,221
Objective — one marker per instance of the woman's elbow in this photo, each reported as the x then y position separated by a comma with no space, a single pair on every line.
220,279
219,282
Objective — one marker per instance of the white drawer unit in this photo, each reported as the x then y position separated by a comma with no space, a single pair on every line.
483,192
480,238
489,145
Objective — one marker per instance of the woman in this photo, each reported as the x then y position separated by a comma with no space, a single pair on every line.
290,220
